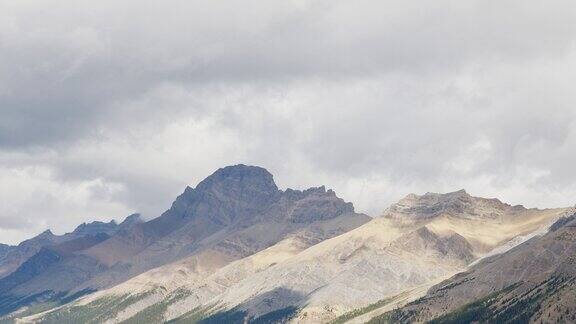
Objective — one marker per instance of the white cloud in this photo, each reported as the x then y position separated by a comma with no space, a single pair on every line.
33,200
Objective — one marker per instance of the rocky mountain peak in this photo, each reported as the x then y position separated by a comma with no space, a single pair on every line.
131,220
315,204
457,203
95,227
229,194
238,186
239,177
459,194
46,233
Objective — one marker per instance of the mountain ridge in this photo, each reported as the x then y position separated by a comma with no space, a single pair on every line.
237,248
315,281
233,213
14,255
420,207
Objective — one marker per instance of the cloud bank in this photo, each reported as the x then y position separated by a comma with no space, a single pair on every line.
113,107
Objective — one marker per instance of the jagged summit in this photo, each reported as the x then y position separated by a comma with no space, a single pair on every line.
233,189
240,176
46,233
313,191
457,203
95,227
453,194
242,193
131,220
111,227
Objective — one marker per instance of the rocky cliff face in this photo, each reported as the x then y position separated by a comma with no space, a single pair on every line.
95,228
458,203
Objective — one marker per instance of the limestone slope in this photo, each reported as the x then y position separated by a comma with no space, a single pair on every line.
532,282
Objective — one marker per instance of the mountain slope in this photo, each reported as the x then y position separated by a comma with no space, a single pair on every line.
533,282
11,257
387,256
53,255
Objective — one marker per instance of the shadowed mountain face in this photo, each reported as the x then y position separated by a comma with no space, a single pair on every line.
14,256
4,250
229,195
533,282
47,257
233,213
47,253
11,257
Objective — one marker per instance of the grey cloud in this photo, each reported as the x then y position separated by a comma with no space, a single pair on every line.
145,98
67,65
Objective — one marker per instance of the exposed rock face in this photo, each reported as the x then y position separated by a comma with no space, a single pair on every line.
130,221
231,194
95,228
450,247
458,203
317,204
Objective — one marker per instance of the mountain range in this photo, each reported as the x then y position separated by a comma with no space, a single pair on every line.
237,249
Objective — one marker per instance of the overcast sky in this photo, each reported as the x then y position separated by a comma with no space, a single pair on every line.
113,107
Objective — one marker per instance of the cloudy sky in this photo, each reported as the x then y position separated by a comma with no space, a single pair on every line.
113,107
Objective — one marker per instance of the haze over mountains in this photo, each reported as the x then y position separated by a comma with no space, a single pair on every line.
236,248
